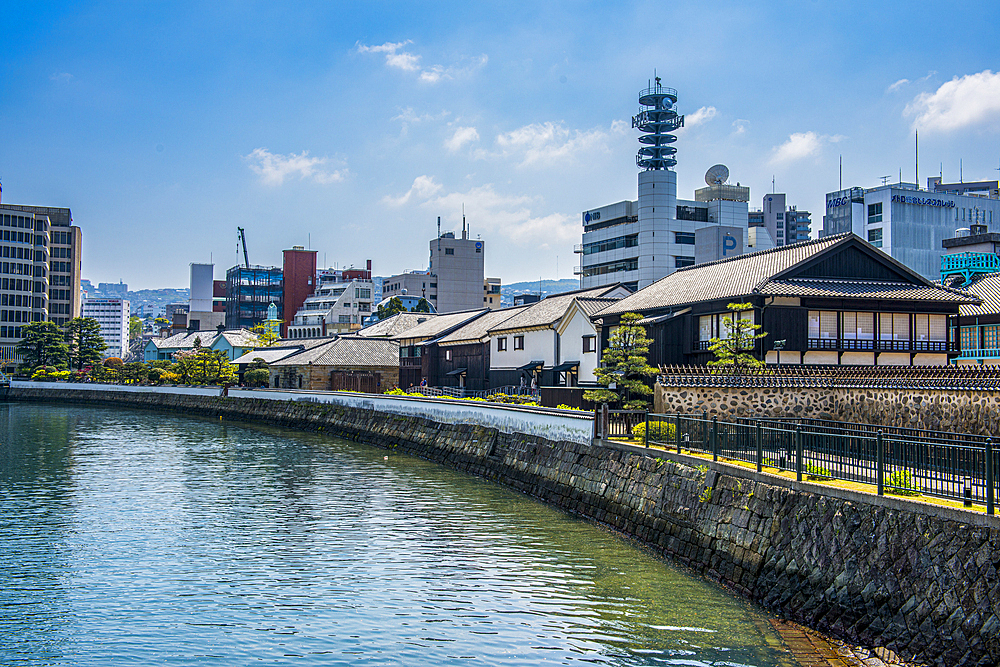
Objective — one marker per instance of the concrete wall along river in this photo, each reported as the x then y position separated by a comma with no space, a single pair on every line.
919,579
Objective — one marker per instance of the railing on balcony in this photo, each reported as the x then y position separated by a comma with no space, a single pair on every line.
578,248
881,345
969,264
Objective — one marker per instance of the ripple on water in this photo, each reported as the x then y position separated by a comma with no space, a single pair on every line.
138,537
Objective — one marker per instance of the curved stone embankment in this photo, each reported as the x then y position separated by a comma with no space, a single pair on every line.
922,581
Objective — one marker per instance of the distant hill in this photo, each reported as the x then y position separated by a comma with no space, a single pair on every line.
508,292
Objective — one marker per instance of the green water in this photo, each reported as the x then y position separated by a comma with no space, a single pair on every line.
135,538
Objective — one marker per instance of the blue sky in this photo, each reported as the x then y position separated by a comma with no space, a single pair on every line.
351,127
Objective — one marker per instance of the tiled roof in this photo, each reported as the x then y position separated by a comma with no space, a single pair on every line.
750,273
395,325
479,328
185,340
269,354
550,310
862,289
347,351
987,288
438,325
241,338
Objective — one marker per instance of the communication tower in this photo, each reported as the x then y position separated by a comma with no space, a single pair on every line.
657,117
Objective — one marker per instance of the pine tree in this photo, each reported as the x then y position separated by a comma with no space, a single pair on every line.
734,353
42,345
85,347
624,363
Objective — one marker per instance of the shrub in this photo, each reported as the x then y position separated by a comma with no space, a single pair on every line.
659,431
258,377
817,472
155,375
563,406
113,362
901,483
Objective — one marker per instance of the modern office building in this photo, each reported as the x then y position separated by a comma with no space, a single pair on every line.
909,223
39,270
455,279
785,224
638,242
113,315
342,303
249,291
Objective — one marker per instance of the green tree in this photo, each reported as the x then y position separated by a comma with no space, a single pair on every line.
42,345
423,306
84,343
394,306
134,327
204,366
258,377
625,364
266,335
161,322
734,353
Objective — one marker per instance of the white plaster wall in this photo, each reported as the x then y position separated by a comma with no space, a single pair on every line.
858,358
571,346
926,359
894,359
813,357
538,345
96,387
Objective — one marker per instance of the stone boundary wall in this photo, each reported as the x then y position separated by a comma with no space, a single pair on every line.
958,411
921,581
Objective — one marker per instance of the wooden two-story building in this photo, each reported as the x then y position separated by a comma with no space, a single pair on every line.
834,300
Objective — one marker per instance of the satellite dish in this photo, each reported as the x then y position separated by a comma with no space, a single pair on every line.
717,174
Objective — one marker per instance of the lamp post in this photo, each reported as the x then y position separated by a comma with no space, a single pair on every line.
778,346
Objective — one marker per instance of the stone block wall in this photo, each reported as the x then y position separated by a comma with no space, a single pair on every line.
960,411
874,571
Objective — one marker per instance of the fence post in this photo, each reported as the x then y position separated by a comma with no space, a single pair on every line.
880,464
704,431
715,437
677,431
798,452
646,432
605,423
989,476
760,448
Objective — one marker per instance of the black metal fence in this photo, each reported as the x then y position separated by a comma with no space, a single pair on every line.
900,460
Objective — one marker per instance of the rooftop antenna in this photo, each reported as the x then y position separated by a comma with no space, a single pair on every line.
916,157
772,184
885,179
841,171
961,177
464,234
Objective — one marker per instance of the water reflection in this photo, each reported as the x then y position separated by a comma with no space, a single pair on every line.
144,537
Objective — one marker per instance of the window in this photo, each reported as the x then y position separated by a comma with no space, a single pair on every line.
629,241
893,326
684,238
875,212
707,327
875,237
447,355
681,261
969,338
518,342
449,251
929,327
590,344
501,344
822,324
858,326
612,267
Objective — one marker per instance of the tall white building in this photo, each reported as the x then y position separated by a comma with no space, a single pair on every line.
113,316
911,223
341,303
638,242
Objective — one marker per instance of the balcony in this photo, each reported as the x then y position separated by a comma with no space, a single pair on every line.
869,344
969,264
577,270
578,249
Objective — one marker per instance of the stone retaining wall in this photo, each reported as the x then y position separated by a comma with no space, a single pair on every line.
958,411
922,581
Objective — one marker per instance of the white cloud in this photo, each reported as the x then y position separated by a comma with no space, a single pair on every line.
396,57
422,188
541,143
702,115
896,86
740,126
802,145
61,77
274,168
462,136
508,216
973,99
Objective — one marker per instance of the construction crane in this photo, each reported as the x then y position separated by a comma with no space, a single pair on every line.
243,239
